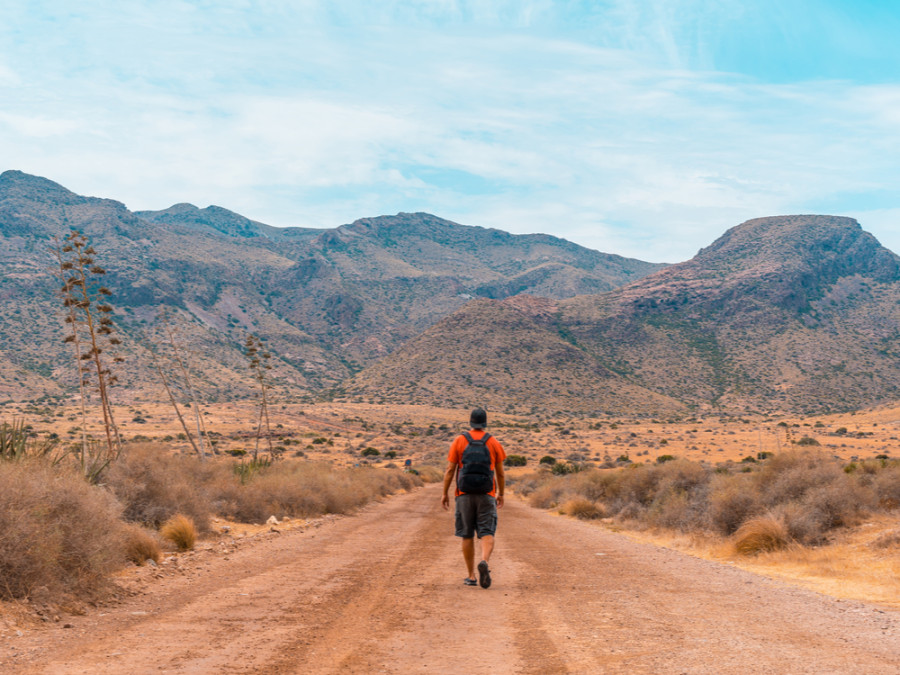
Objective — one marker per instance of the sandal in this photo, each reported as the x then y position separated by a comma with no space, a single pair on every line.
470,582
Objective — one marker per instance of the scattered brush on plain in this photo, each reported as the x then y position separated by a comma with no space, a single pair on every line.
803,496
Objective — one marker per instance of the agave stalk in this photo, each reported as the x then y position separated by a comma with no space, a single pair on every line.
259,364
75,340
91,309
201,424
165,383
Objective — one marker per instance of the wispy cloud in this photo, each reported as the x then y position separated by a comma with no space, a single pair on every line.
607,123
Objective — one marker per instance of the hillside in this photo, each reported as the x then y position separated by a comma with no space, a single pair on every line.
327,302
794,313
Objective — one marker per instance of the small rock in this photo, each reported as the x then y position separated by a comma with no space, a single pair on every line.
67,625
272,521
150,562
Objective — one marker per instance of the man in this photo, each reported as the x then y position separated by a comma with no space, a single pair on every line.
476,461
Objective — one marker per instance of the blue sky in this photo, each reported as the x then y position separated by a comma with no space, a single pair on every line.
640,128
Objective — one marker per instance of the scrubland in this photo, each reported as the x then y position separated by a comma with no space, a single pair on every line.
61,537
801,514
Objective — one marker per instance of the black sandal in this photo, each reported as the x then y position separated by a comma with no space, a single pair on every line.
470,582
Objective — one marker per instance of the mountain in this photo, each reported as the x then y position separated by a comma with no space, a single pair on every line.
327,302
798,313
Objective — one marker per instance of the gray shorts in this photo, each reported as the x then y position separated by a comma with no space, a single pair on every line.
475,513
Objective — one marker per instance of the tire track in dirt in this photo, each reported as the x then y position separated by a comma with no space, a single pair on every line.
381,592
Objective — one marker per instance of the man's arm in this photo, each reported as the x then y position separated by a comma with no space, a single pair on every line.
448,479
501,483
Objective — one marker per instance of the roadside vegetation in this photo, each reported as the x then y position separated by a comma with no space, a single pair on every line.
795,498
62,534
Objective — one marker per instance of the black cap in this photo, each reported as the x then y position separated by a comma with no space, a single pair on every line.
478,418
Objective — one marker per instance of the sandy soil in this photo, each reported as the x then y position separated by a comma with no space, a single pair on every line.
381,592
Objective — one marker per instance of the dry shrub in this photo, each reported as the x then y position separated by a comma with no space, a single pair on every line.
759,535
804,525
886,485
581,507
889,539
181,531
732,500
141,545
789,476
57,533
839,503
529,482
305,490
549,494
676,510
430,473
595,485
153,485
635,488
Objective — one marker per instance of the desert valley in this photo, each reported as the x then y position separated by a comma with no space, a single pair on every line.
703,456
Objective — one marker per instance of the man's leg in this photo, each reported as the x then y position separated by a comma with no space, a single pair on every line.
468,550
487,546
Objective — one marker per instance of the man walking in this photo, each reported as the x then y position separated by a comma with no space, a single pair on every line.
476,461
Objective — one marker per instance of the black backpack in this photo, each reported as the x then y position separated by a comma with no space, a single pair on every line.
475,476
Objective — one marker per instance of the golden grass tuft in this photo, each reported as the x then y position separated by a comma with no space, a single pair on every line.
180,530
141,546
581,507
759,535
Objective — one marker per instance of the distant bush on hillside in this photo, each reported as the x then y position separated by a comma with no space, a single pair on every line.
515,460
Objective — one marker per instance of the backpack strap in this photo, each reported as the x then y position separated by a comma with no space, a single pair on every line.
468,436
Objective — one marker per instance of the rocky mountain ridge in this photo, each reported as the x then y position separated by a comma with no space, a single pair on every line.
328,302
790,313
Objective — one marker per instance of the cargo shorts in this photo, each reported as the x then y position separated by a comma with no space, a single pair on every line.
475,514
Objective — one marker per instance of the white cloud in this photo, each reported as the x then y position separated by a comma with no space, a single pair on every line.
300,115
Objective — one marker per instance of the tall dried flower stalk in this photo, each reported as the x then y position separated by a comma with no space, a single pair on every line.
259,364
86,301
176,354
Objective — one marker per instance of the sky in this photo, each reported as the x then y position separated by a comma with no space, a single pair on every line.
642,128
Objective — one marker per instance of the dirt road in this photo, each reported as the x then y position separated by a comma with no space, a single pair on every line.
381,592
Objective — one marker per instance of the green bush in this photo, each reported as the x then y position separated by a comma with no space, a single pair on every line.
547,459
662,459
515,460
370,452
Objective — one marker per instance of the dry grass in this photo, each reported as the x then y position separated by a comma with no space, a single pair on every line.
153,486
581,507
305,490
59,536
759,535
181,531
889,540
141,545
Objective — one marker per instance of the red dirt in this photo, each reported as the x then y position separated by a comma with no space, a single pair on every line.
381,592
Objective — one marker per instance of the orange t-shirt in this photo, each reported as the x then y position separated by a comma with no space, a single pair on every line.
498,454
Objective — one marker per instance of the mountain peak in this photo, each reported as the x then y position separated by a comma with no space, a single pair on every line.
18,184
826,246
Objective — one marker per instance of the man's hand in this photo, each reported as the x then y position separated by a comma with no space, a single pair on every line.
499,501
445,502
